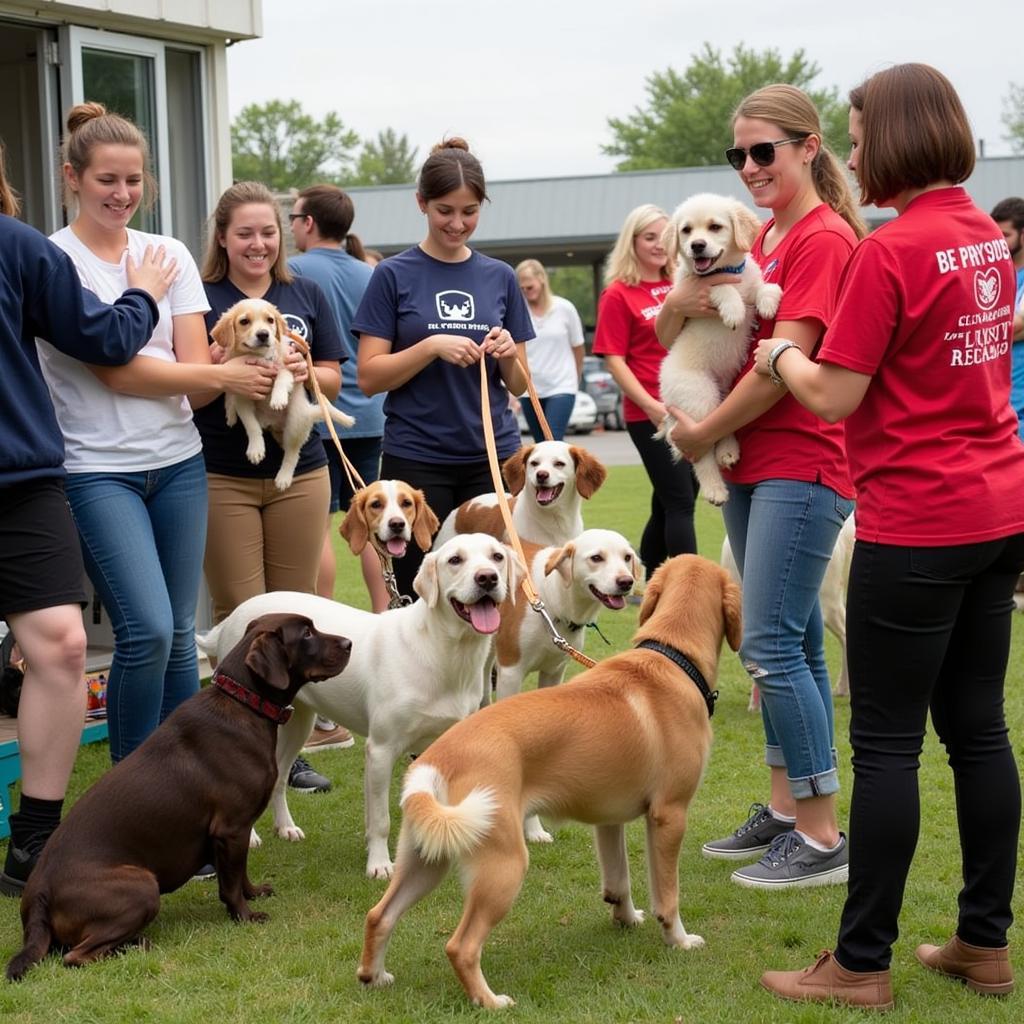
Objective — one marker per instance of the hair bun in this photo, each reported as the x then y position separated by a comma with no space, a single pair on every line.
82,113
455,142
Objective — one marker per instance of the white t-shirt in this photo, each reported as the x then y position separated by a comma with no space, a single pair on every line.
549,355
107,432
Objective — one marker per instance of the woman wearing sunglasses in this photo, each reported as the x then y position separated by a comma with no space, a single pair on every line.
789,493
917,359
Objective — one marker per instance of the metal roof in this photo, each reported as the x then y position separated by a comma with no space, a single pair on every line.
575,220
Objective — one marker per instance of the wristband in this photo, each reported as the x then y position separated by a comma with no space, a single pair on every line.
773,358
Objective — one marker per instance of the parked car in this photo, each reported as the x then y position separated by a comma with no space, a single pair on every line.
600,385
582,420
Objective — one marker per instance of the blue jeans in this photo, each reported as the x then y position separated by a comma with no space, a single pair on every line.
557,410
142,538
782,533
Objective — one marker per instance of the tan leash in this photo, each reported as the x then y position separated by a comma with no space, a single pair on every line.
387,569
506,514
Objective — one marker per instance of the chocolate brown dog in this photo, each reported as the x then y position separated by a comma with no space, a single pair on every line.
187,796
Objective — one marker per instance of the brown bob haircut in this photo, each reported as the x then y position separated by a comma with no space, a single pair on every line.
914,132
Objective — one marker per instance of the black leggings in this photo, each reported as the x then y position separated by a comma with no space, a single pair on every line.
669,530
446,485
929,628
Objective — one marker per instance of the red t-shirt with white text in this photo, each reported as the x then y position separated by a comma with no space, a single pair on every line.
625,327
926,309
788,442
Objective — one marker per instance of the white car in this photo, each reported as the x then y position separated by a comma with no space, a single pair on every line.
582,420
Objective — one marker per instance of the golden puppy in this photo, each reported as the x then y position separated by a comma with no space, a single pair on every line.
388,514
629,737
254,328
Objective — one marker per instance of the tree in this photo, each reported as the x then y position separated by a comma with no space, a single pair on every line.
284,147
1013,117
386,160
686,120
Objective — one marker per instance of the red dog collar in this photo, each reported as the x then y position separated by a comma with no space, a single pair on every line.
251,699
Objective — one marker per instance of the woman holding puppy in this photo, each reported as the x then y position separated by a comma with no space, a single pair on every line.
135,483
917,362
427,318
790,491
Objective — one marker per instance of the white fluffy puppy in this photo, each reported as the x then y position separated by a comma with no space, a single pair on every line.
711,234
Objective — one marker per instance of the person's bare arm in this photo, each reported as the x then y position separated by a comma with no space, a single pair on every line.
379,369
634,390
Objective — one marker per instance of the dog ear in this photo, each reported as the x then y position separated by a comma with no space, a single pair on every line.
561,560
267,659
354,528
515,570
652,594
590,473
638,567
732,611
426,583
223,331
424,523
670,239
745,227
513,469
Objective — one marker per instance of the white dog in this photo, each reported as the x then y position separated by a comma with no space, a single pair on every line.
550,481
414,671
712,235
253,328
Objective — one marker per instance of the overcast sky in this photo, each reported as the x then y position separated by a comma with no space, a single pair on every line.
531,83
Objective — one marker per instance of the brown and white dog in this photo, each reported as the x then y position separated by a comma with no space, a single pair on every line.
387,514
254,329
626,739
551,481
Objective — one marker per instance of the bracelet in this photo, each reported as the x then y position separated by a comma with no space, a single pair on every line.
773,358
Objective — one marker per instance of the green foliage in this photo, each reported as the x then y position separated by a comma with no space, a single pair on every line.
577,285
686,119
386,160
284,147
1013,117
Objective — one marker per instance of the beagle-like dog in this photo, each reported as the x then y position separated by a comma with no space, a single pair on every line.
253,328
387,514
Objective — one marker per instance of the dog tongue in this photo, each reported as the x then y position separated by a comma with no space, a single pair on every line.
702,263
484,615
615,601
396,546
545,494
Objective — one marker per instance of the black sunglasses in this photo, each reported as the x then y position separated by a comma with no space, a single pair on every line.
762,153
292,216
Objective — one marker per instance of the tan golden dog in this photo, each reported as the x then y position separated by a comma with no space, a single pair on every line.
387,514
627,738
253,328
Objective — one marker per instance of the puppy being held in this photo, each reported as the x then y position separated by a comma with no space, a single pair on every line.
711,234
187,796
628,738
253,328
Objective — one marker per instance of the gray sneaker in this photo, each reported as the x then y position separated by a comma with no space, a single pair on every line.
791,864
754,836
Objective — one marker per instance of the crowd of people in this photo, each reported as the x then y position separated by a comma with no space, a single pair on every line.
873,383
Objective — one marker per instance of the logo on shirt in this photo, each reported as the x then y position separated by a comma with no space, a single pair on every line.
986,287
296,325
455,305
772,264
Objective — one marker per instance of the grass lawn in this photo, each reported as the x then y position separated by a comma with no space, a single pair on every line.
557,952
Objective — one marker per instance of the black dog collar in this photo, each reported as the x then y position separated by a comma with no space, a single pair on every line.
251,699
678,658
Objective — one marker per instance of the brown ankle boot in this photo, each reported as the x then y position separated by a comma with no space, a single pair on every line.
983,969
828,981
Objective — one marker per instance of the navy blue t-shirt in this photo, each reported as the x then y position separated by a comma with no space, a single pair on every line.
435,416
307,313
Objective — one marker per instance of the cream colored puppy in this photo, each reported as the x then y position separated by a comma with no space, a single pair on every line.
253,328
629,738
414,671
712,234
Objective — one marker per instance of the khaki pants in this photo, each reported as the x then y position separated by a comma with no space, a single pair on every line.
260,539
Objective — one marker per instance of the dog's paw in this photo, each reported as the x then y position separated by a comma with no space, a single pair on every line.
690,942
257,917
290,832
716,496
283,480
381,869
535,831
379,980
727,452
278,401
256,452
230,416
255,842
768,298
628,917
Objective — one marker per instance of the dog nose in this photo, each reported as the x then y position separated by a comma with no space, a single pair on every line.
542,475
697,247
396,525
486,579
263,335
624,583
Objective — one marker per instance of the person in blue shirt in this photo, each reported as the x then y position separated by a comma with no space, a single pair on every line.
429,315
1009,216
41,570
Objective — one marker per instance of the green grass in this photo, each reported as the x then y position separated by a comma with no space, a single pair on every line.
557,952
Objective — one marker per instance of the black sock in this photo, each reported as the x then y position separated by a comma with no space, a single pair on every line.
35,820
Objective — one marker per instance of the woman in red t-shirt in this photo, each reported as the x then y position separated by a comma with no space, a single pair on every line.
638,276
790,491
917,361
